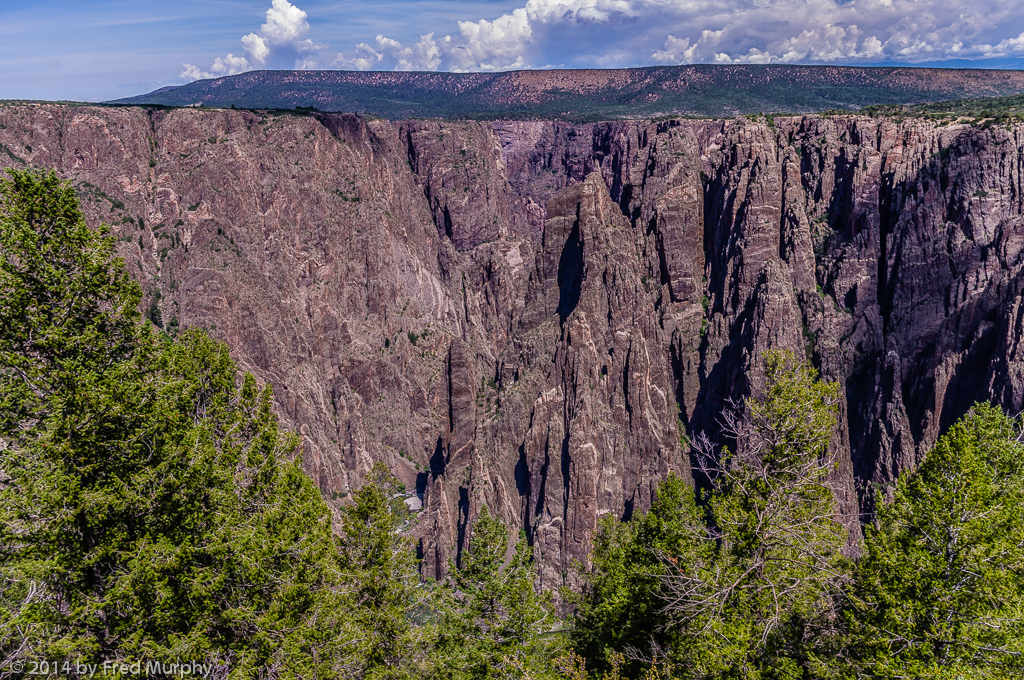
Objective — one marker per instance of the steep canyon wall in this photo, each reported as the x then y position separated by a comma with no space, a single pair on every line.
533,316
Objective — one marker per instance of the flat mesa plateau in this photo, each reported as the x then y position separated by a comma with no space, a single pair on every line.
590,94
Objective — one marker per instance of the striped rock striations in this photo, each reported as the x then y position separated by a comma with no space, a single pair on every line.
533,316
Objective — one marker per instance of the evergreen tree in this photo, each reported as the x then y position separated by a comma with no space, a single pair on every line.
622,606
765,602
148,507
744,584
491,621
69,320
380,573
939,592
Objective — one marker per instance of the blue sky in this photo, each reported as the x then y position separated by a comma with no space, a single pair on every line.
88,51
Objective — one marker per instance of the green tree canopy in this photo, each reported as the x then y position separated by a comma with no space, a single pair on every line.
69,323
743,583
492,623
622,606
939,592
761,606
379,572
150,507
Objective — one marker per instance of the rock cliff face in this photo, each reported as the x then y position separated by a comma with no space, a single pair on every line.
531,316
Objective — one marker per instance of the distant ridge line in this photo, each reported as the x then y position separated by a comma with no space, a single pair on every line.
653,91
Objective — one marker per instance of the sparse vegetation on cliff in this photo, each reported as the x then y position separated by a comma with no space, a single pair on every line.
994,110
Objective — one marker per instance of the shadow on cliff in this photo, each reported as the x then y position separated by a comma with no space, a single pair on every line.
940,342
932,359
570,272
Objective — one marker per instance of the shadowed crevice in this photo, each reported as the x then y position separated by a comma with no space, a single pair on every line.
570,273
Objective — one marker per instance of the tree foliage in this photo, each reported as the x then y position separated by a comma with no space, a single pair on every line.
753,583
939,592
148,504
69,324
623,604
759,606
492,623
379,572
742,584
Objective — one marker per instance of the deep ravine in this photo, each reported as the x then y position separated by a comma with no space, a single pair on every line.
531,316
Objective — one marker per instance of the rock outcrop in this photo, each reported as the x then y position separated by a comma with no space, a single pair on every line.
533,316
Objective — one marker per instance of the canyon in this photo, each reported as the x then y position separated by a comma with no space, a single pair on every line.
537,316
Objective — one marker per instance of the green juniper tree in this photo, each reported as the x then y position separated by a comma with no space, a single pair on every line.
380,573
69,321
766,600
491,620
745,583
149,506
622,606
939,592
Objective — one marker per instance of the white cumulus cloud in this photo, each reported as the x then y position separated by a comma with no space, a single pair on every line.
285,23
222,66
256,46
578,33
284,32
506,42
620,33
1007,47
